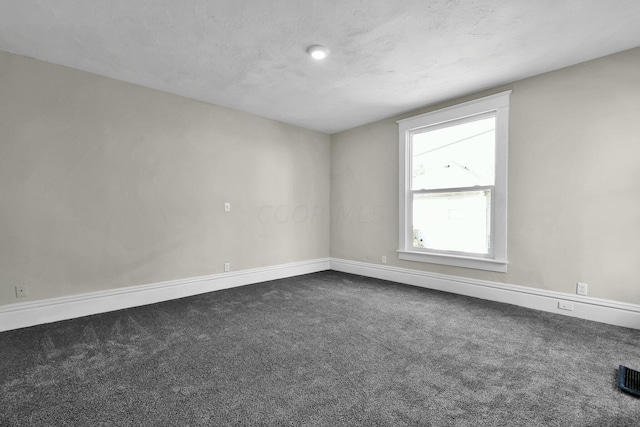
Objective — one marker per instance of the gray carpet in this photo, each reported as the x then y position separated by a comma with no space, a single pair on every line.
321,349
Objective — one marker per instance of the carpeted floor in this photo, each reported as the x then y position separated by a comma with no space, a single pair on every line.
322,349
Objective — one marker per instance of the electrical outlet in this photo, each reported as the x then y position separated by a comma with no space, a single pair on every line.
384,259
227,266
563,305
581,289
227,207
21,291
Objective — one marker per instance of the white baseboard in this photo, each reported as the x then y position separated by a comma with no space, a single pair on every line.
598,310
21,315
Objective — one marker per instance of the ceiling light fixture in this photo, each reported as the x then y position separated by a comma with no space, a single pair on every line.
318,52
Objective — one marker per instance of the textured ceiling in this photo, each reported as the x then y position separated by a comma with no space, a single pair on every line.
387,57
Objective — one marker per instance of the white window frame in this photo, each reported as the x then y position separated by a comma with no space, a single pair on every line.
496,260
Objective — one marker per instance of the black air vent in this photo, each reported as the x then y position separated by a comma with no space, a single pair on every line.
629,380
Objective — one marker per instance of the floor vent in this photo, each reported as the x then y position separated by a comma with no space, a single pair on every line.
629,380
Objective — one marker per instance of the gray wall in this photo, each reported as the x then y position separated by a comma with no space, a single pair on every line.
574,183
104,184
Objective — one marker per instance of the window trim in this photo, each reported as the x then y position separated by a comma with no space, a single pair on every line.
497,261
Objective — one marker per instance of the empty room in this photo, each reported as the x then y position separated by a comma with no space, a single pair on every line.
332,213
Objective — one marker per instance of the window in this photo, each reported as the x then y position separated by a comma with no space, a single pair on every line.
453,185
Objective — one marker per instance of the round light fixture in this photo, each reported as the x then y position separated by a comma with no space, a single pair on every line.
318,52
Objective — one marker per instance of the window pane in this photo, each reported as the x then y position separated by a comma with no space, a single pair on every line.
459,221
459,155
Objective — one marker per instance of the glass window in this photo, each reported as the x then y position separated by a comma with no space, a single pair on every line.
453,185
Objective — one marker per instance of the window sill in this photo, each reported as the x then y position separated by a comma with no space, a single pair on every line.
455,261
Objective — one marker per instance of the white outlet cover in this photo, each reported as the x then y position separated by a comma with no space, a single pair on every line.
562,305
582,288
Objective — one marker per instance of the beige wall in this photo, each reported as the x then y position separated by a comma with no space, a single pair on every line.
105,184
574,183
